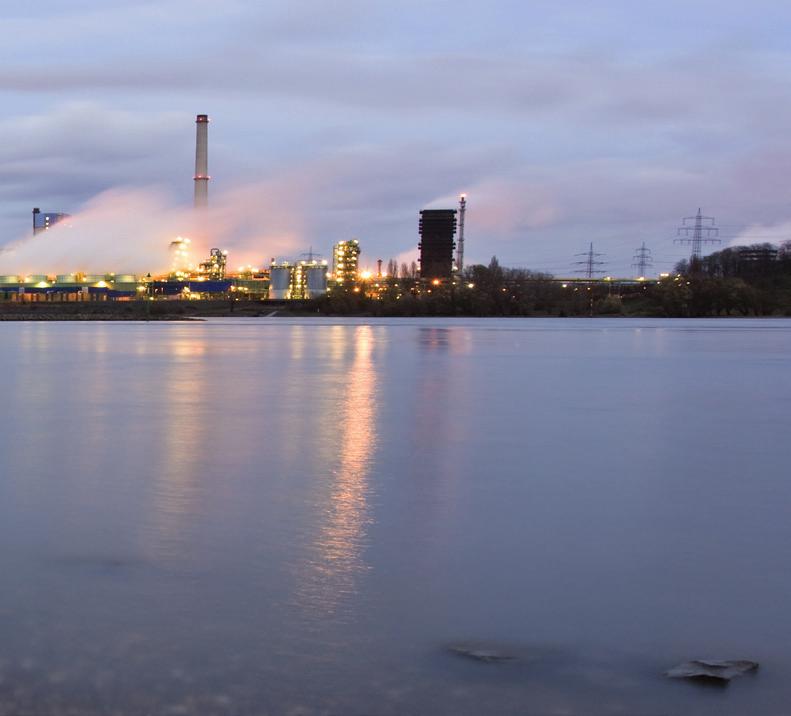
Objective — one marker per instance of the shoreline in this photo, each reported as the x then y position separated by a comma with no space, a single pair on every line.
130,310
190,311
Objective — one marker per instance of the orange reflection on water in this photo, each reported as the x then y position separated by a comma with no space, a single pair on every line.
338,547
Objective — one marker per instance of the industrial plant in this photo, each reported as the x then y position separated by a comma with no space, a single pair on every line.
205,277
43,221
439,269
305,277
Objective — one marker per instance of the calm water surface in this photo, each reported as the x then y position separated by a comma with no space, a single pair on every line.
299,517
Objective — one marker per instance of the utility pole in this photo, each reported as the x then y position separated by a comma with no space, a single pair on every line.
696,231
590,263
642,260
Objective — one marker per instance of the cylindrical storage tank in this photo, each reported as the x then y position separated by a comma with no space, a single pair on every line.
66,278
9,280
279,278
36,278
93,277
315,281
124,278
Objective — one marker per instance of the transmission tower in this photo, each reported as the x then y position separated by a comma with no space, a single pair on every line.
590,263
696,231
642,260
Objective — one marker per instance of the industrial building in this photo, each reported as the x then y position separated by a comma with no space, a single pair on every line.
180,262
437,231
44,220
345,260
187,277
69,287
126,287
213,268
297,280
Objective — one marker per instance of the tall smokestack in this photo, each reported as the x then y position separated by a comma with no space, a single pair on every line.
460,249
202,161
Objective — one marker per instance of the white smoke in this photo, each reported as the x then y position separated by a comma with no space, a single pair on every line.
129,230
123,231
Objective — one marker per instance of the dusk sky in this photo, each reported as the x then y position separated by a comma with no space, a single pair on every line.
565,122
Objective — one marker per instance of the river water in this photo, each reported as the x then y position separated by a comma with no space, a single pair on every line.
303,516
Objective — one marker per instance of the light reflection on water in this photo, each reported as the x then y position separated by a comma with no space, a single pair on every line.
296,516
329,574
175,464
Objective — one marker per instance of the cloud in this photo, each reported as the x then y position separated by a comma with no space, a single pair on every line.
81,148
345,119
776,234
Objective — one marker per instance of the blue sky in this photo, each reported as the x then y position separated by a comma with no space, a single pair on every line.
565,122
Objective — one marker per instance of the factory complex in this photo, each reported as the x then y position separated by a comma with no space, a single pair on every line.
299,279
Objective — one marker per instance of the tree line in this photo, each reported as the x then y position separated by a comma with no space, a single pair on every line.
737,281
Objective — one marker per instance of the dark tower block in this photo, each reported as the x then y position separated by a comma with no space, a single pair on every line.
437,230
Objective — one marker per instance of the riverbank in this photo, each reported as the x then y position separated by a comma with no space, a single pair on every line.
346,306
132,310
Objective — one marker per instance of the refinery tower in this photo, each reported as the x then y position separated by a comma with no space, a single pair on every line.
202,161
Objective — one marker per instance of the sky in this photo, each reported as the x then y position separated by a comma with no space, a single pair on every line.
565,122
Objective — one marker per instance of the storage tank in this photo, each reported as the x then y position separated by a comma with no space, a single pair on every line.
124,278
279,278
36,278
315,281
9,280
66,278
